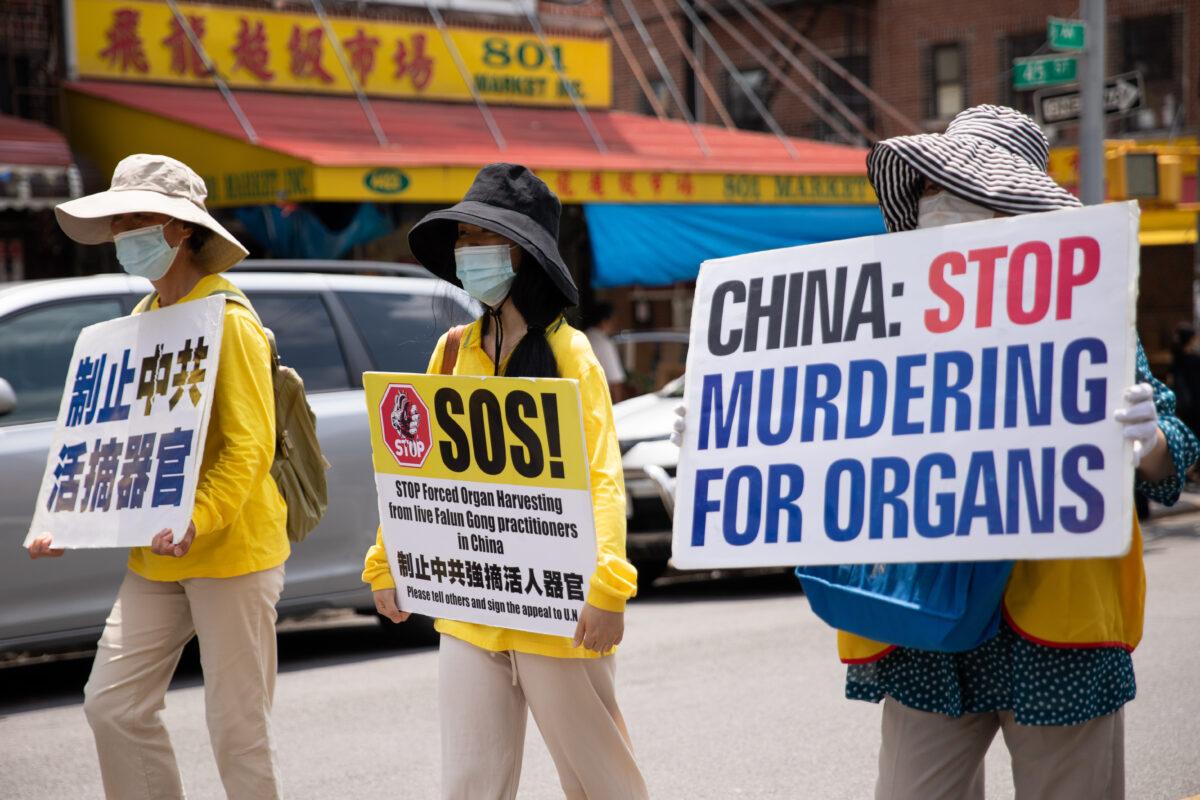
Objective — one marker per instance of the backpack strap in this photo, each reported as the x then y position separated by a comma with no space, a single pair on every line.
450,352
237,297
244,302
145,303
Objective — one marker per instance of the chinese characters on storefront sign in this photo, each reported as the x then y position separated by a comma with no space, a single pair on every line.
258,48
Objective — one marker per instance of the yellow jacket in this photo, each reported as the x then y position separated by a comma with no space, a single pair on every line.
615,579
1090,602
240,518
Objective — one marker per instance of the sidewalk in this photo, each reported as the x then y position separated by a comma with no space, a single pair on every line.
1189,503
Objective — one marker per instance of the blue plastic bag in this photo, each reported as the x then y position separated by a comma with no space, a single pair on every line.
942,607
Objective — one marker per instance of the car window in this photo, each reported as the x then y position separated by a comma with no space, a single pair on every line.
305,336
400,330
35,351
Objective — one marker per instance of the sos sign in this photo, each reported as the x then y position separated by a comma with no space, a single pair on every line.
404,422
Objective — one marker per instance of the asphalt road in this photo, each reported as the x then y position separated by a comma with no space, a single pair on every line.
730,686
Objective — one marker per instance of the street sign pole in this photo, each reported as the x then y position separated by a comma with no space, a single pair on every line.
1091,86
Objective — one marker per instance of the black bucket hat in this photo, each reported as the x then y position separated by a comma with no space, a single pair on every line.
506,199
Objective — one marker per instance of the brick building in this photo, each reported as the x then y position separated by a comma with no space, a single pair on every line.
928,58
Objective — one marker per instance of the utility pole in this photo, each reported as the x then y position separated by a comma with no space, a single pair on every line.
1091,123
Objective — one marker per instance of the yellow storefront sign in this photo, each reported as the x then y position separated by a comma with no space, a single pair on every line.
254,48
238,173
449,184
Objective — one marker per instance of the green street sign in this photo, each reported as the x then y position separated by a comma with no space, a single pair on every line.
1030,73
1066,34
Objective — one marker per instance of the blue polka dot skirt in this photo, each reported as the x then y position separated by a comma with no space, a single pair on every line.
1041,685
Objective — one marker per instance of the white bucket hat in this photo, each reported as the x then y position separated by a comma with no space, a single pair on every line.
993,156
148,183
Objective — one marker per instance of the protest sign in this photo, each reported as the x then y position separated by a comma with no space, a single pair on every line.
484,497
936,395
125,458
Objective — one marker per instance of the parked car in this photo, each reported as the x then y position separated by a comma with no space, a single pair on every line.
643,430
331,322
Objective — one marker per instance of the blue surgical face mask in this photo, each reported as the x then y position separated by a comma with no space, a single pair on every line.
145,252
486,272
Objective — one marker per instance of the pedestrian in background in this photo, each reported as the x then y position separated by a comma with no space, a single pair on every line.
1185,374
220,579
599,329
501,245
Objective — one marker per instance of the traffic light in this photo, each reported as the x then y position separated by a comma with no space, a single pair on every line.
1144,173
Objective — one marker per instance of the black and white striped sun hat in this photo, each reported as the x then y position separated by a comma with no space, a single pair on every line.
993,156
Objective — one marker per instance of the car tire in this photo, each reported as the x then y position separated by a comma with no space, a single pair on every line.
416,631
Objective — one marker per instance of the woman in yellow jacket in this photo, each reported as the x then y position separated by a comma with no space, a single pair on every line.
501,245
220,579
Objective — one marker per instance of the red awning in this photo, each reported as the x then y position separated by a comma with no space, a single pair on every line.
31,144
333,131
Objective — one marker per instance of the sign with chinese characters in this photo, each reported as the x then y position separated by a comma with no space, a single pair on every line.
944,394
426,184
484,498
125,458
255,48
237,173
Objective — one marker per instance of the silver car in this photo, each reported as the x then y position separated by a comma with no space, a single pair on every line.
331,326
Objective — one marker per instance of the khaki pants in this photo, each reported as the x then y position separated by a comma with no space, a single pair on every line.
484,699
928,756
234,619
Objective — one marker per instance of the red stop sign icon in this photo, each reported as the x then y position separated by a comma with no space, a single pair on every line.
404,420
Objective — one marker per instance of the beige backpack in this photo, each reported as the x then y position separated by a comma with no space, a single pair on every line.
299,466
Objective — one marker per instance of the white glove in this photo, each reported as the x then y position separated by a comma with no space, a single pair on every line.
679,426
1140,420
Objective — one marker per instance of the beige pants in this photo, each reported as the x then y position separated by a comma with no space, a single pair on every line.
234,619
484,700
934,757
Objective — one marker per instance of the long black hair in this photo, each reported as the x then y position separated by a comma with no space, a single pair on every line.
540,303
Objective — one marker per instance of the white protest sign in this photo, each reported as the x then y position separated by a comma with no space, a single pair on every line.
125,458
935,395
484,497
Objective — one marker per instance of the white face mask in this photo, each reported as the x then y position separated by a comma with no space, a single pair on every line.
944,208
485,271
145,252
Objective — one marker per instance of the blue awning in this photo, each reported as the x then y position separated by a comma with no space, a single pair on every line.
657,245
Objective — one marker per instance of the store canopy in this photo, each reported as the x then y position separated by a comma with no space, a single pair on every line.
648,245
323,148
36,167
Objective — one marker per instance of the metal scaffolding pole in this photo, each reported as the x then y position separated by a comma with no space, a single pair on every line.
363,103
665,73
566,84
465,73
777,73
859,124
834,67
222,86
694,63
634,66
738,78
